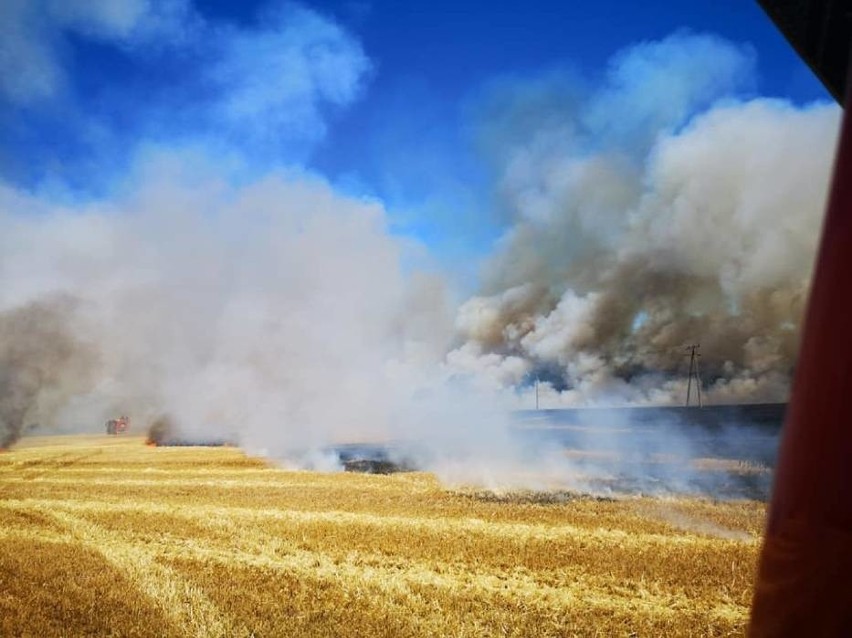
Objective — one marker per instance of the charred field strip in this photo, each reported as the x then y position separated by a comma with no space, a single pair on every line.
743,432
723,452
191,541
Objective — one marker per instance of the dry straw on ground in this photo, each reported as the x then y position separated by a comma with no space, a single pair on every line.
106,536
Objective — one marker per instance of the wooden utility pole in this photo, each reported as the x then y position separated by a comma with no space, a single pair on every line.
693,373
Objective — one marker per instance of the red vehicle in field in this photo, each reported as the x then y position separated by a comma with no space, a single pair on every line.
117,426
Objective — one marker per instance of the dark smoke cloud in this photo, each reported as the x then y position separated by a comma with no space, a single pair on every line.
651,213
42,364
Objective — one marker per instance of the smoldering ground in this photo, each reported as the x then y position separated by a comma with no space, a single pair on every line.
284,315
723,451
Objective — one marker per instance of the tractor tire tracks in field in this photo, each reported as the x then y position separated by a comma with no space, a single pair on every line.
190,611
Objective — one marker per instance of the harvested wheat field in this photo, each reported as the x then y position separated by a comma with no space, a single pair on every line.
105,536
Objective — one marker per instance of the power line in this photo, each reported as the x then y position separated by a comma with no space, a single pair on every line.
694,356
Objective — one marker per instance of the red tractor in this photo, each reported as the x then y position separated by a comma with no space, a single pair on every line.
117,426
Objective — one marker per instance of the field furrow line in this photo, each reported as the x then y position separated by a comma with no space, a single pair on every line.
392,575
495,529
191,611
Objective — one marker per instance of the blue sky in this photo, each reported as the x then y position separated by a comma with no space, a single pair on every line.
401,101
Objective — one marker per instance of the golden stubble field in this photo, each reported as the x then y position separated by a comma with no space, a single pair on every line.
104,536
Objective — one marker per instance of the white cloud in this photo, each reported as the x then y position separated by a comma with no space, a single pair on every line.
658,84
264,84
33,37
275,80
29,69
99,18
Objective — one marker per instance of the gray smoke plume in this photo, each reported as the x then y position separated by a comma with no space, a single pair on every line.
43,365
640,226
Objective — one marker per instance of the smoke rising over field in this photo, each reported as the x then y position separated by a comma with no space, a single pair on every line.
643,214
644,220
43,364
274,309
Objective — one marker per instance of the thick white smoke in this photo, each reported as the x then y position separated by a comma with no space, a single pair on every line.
646,220
651,213
277,314
275,309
